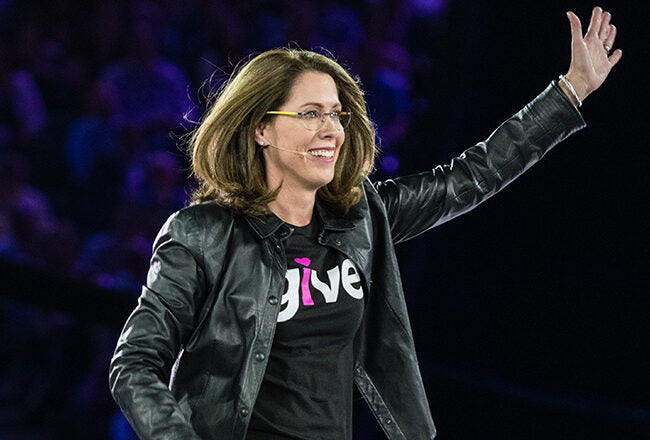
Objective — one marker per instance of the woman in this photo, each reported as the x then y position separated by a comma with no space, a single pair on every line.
276,291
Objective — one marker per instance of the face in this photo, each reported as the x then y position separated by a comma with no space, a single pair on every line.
303,160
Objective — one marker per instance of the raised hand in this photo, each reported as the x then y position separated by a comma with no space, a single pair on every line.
591,56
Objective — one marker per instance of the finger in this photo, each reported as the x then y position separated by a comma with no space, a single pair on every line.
609,42
576,26
615,57
604,30
594,23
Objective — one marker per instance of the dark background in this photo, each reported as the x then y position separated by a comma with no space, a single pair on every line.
530,313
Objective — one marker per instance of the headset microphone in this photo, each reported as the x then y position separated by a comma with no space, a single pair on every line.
302,153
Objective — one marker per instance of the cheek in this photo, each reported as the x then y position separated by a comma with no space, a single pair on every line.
300,140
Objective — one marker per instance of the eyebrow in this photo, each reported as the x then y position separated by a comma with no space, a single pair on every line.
336,106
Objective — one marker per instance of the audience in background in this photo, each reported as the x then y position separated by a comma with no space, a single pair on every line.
95,96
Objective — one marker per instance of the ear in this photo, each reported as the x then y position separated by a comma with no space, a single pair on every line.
259,134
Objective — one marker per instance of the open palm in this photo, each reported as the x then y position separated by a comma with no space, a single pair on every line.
591,60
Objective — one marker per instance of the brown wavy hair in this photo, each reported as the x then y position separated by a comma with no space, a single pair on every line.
225,159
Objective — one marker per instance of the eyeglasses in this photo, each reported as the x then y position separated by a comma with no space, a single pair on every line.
314,120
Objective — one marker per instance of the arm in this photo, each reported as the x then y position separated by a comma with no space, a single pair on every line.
154,333
419,202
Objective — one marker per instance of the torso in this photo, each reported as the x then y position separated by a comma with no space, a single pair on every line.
307,388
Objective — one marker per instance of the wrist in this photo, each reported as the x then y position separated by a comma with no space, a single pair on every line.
569,90
579,85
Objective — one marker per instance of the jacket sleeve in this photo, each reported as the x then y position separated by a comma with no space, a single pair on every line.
419,202
154,333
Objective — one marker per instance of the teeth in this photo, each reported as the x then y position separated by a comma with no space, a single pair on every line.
322,153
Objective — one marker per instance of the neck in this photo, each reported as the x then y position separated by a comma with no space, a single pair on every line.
295,209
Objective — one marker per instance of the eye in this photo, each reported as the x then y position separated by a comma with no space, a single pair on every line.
336,114
311,114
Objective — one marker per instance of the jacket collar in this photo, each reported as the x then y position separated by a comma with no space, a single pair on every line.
267,226
271,224
331,221
336,222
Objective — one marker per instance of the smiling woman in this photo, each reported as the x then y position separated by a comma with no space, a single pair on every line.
226,147
299,176
278,291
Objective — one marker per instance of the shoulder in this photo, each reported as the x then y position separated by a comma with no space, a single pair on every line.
195,221
382,192
204,214
371,200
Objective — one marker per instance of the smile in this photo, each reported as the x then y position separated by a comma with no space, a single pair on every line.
322,153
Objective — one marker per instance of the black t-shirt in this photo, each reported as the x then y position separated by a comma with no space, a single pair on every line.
307,388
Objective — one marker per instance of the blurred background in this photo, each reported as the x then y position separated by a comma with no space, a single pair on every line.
530,314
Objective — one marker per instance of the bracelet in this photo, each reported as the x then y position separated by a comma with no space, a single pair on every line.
569,86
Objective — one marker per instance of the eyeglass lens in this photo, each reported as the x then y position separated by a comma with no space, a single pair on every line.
340,120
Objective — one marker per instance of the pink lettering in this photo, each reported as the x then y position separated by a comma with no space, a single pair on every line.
298,287
304,283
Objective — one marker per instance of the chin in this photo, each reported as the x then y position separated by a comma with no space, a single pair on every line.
322,183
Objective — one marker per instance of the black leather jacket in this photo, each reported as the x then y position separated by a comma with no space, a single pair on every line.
191,357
